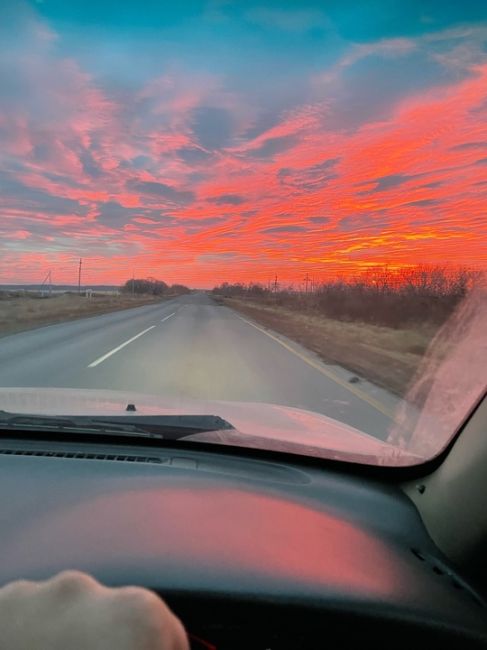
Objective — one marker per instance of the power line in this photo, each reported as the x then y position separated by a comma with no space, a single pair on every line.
47,280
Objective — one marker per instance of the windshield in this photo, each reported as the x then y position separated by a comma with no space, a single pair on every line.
269,213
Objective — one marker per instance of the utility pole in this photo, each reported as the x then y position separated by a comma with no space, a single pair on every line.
133,282
306,280
275,284
79,276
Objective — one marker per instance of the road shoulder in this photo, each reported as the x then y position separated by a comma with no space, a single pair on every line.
372,357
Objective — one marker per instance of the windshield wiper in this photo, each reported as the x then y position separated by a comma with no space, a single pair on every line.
162,427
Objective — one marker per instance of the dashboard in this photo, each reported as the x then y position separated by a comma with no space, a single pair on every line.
250,552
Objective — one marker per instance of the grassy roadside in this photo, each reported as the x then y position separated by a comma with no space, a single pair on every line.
385,356
21,313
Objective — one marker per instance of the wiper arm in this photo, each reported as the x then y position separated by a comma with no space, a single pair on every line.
168,427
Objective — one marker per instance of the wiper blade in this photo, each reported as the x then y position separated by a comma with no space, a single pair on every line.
162,427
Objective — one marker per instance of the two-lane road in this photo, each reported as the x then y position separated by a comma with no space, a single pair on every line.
189,347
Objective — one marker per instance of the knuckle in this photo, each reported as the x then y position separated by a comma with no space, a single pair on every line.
141,609
138,600
71,582
18,588
149,619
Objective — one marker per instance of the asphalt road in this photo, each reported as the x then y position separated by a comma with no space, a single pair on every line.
189,347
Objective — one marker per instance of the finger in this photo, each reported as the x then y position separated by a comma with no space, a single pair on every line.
19,588
71,584
149,618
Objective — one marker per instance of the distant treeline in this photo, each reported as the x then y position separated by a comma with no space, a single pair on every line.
153,287
379,296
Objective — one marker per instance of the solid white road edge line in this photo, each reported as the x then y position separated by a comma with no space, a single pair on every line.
382,408
119,347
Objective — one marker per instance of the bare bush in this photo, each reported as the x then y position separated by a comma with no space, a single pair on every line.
379,296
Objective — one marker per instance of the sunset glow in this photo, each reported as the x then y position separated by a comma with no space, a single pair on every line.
236,142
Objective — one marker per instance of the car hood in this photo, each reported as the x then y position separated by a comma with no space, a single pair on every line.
256,425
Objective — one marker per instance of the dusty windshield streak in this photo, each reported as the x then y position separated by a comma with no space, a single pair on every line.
449,381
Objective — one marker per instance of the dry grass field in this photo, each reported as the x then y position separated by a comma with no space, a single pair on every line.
19,312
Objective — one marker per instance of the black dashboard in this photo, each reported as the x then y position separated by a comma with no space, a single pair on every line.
250,553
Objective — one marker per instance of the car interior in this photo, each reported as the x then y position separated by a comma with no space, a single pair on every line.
243,307
257,549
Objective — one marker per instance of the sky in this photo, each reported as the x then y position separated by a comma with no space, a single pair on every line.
214,140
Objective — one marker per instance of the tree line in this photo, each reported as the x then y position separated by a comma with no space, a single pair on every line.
380,296
153,287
